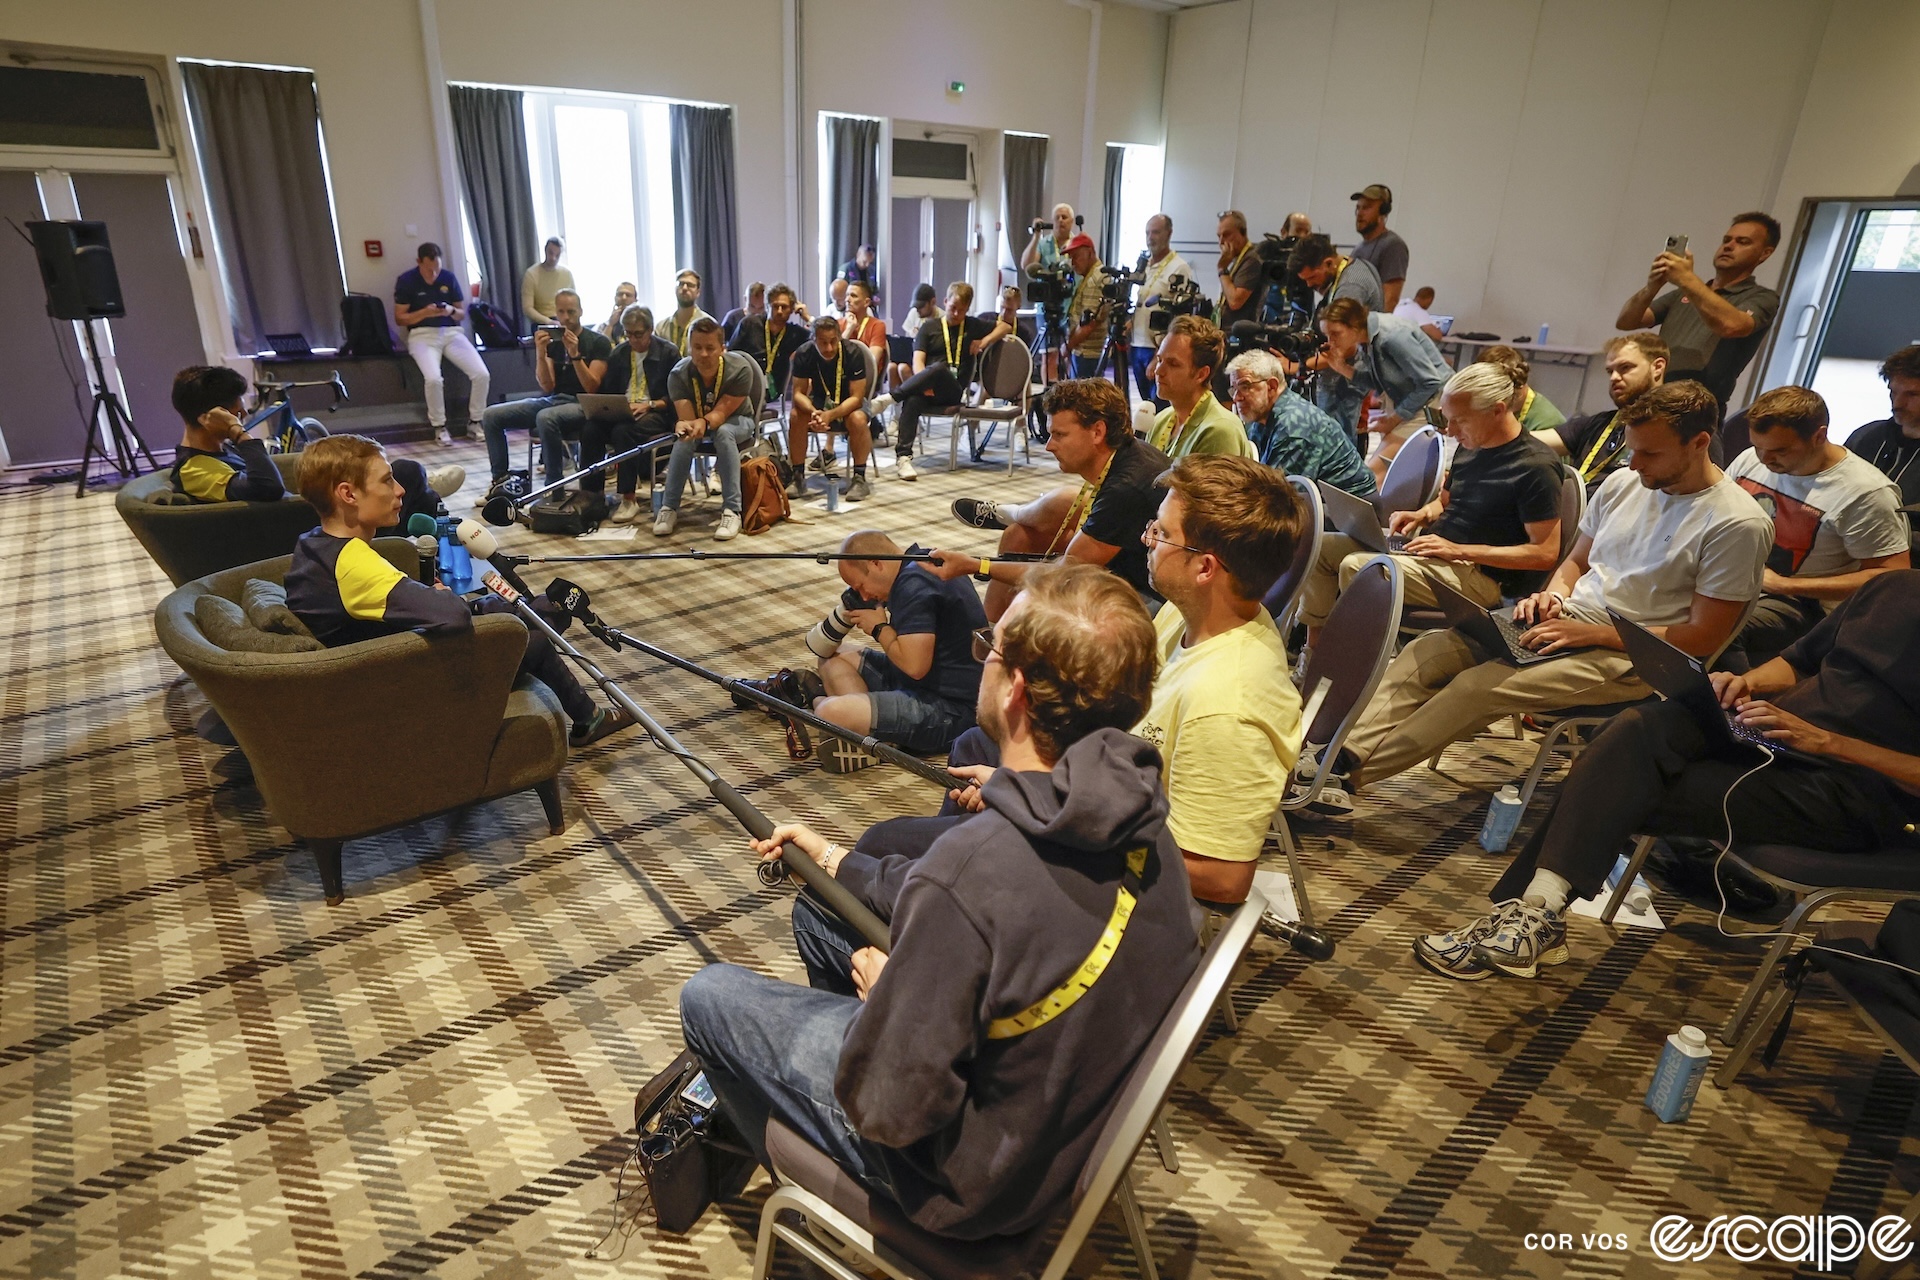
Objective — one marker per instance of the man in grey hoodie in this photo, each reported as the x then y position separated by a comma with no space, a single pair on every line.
948,1081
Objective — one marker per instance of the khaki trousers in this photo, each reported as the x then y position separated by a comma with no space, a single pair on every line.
1341,558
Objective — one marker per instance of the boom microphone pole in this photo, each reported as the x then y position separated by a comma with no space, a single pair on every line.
502,508
830,891
576,602
819,557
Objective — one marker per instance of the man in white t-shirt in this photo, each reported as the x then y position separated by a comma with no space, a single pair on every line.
1672,544
1417,310
1163,264
1836,521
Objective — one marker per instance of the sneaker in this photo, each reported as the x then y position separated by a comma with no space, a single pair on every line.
627,512
606,722
664,522
1299,672
446,481
797,487
838,755
1335,798
728,528
905,467
1525,938
981,513
857,489
442,436
827,464
1451,955
879,405
1308,762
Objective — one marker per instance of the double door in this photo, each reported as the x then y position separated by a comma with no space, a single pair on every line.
929,246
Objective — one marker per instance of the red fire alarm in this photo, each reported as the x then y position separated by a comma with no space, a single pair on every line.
373,248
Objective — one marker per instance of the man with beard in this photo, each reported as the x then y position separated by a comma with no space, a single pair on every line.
1596,443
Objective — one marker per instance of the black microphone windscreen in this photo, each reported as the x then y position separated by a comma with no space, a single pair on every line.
572,597
498,510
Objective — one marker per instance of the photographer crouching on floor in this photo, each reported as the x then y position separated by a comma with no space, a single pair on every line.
950,1075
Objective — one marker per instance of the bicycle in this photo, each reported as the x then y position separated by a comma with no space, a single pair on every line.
293,433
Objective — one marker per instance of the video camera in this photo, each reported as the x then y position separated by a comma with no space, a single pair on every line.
1295,342
1049,286
1288,299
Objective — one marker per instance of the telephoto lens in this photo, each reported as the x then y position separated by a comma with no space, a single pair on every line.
824,640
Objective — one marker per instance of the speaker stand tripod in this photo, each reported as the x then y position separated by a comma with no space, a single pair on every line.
110,431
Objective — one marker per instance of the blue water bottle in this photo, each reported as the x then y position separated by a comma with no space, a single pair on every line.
1683,1065
1503,815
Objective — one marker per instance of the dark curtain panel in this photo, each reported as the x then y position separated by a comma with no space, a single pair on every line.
706,229
1110,204
490,137
1023,162
259,138
853,191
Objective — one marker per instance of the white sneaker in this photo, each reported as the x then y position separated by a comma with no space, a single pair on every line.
442,436
879,404
728,528
627,512
664,522
446,481
905,468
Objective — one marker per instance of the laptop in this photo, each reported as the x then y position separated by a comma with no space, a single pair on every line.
603,408
289,346
1494,630
1443,323
1682,678
1357,518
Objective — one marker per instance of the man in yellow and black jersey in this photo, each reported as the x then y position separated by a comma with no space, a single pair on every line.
345,591
217,461
1596,443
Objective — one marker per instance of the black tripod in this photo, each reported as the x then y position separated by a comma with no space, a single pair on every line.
116,441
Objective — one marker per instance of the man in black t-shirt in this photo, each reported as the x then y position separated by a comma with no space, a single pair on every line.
1893,444
946,358
568,361
788,338
918,687
1099,522
1596,445
1493,532
829,392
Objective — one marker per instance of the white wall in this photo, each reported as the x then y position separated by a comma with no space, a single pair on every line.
1540,151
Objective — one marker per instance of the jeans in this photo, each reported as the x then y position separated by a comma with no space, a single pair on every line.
770,1050
595,437
559,412
727,439
427,346
1141,358
1085,366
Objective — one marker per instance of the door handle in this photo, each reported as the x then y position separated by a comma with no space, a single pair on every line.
1807,313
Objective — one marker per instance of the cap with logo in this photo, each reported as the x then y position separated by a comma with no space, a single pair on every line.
1376,191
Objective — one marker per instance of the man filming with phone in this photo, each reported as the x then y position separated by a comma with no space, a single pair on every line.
1713,328
568,361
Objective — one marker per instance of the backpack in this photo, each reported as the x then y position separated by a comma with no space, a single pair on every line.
763,503
491,327
363,324
575,511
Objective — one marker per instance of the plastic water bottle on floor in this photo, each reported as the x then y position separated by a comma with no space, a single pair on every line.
1639,900
1683,1065
833,493
1503,815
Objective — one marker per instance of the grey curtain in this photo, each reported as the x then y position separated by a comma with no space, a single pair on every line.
490,138
1110,204
1023,162
706,229
853,186
259,139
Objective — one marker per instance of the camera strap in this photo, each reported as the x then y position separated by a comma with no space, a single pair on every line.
1081,980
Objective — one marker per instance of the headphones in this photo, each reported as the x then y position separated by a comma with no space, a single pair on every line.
1386,206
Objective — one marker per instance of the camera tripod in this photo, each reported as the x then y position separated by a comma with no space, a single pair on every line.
110,430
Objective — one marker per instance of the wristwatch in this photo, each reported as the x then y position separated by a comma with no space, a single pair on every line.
985,572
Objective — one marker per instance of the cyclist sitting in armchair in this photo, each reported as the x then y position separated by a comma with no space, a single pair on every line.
217,460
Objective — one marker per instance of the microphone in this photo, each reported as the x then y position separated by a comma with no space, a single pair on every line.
429,548
481,545
1309,942
498,510
573,600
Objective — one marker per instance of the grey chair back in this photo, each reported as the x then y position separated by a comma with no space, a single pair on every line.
1285,592
1007,371
1353,652
1413,477
1573,509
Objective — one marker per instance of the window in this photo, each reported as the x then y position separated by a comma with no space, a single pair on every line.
1890,241
1140,180
603,182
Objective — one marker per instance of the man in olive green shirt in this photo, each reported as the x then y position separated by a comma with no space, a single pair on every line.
1194,421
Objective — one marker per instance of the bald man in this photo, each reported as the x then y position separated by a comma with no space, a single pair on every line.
1162,265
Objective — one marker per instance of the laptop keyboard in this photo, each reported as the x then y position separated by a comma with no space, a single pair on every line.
1509,630
1396,542
1745,732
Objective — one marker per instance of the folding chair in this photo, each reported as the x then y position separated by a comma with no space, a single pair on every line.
1355,647
1413,477
1284,595
824,1195
1006,376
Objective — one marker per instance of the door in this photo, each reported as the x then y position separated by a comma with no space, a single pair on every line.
907,267
949,225
931,244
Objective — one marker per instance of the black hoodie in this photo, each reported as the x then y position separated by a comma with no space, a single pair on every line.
986,1137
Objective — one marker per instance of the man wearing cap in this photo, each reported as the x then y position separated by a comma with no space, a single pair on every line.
1088,309
1380,248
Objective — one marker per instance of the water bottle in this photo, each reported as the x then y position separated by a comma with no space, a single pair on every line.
1542,339
833,493
1639,900
1503,815
659,500
1683,1065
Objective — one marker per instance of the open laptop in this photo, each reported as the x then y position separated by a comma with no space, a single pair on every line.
608,409
1442,323
1357,518
1494,630
1682,678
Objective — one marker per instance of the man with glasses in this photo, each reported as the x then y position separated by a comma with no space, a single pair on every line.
639,366
568,361
1287,432
948,1074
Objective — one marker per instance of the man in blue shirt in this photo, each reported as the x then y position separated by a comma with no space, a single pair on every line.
1368,351
1290,434
428,303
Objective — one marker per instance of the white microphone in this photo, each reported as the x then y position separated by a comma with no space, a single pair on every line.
481,545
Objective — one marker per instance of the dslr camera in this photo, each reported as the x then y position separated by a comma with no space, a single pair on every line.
825,637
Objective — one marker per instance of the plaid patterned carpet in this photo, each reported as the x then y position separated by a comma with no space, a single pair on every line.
208,1073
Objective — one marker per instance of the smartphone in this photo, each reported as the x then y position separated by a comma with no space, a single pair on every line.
700,1093
1677,245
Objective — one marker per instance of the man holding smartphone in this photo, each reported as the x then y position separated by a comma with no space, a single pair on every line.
568,361
427,303
1713,328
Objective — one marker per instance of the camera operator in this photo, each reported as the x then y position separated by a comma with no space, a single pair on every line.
1369,351
1046,247
1296,224
1238,269
917,688
1326,272
946,357
1379,248
1089,309
1163,264
976,1125
568,361
829,392
1194,421
1287,432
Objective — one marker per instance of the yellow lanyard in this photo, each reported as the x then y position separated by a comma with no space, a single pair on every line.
839,363
773,350
1075,515
677,332
1587,470
953,357
706,407
637,381
1175,429
1081,980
